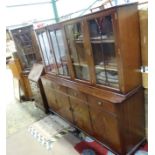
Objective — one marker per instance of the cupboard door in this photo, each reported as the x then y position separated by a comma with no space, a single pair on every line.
60,51
47,54
105,127
81,114
64,108
75,39
51,99
102,40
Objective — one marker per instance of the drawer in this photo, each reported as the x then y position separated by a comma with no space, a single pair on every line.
60,88
56,87
48,83
77,94
95,102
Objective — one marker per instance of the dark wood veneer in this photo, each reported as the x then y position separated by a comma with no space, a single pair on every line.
110,112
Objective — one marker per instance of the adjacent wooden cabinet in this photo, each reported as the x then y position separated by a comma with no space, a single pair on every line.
93,78
26,45
27,52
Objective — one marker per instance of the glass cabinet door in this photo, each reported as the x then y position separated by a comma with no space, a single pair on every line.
74,35
23,41
103,48
60,52
48,56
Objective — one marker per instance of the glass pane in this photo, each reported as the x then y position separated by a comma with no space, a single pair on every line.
103,46
48,56
23,41
59,51
75,40
63,55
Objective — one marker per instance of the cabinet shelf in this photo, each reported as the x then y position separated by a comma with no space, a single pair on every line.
111,80
31,53
80,64
111,84
99,41
102,39
111,68
79,41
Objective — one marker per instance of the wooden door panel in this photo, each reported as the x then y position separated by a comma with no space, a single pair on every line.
61,88
81,115
51,99
105,127
64,108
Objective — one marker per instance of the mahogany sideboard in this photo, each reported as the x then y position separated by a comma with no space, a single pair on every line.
93,80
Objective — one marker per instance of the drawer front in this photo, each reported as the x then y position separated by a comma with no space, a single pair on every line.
55,86
77,94
60,88
48,83
106,106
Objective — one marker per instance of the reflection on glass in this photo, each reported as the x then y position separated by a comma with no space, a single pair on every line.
60,51
48,56
75,40
103,47
24,38
23,41
63,54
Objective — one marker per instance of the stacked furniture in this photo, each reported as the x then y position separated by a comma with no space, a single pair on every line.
93,78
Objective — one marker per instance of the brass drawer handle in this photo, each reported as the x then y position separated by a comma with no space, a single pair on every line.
99,103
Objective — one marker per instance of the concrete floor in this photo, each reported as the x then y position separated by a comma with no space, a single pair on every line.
19,115
22,143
